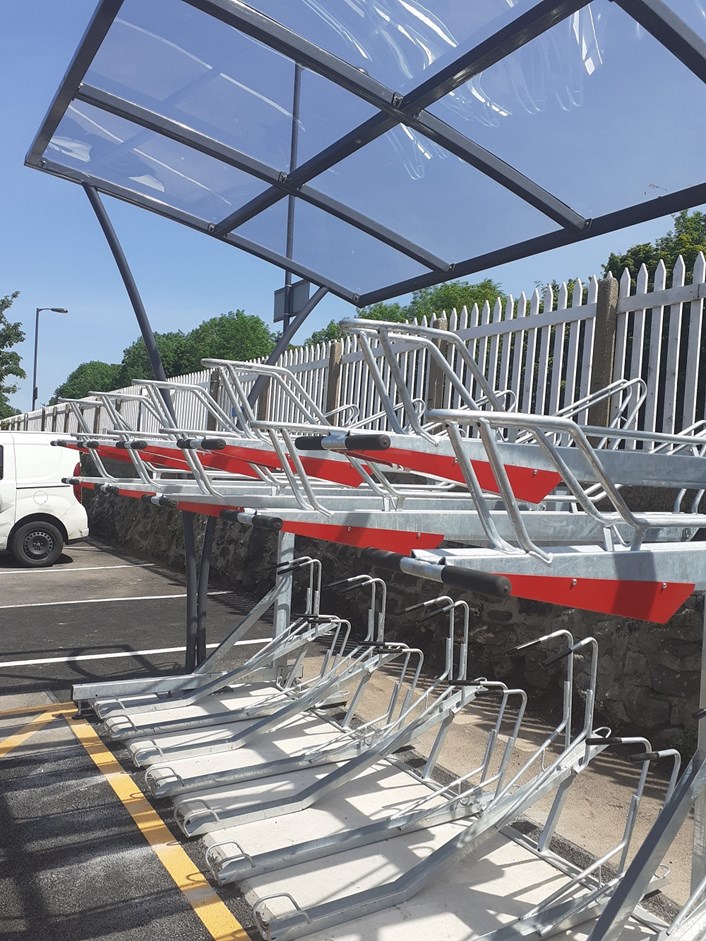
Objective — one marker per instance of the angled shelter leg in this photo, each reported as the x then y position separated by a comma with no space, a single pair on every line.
158,372
698,862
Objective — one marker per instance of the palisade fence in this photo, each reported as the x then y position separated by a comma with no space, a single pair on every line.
549,349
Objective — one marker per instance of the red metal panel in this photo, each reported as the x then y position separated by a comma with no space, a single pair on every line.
365,537
528,483
646,601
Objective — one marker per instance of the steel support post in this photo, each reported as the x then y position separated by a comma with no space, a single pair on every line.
202,594
282,612
192,591
698,861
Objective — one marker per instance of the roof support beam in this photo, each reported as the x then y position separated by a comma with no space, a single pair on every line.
194,222
667,28
189,137
394,110
258,26
620,219
100,23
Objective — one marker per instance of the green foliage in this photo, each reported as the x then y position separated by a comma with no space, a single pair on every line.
93,376
393,313
235,335
425,303
136,363
10,335
331,331
687,238
454,294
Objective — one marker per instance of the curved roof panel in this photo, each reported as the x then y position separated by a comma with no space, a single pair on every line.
378,146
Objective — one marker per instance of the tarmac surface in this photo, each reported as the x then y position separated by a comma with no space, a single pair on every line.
83,854
74,862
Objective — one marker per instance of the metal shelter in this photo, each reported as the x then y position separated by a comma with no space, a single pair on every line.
372,148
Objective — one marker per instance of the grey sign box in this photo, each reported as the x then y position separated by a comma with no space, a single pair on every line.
299,296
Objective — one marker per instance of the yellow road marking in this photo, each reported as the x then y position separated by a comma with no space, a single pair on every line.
18,738
215,916
57,708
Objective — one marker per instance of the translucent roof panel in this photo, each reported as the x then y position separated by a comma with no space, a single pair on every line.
174,59
594,90
412,179
121,153
398,42
321,241
420,140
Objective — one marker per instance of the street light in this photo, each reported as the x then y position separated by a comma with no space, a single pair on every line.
57,310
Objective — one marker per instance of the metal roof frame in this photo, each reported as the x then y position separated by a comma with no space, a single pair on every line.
393,109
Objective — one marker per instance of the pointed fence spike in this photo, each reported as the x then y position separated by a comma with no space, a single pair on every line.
699,275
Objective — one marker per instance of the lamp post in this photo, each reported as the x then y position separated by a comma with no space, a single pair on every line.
57,310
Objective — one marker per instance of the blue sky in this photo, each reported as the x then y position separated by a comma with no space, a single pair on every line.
53,252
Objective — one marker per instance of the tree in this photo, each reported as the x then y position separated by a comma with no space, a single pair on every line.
235,335
453,295
93,376
135,363
10,335
687,238
425,303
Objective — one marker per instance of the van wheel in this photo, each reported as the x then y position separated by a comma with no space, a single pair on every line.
37,544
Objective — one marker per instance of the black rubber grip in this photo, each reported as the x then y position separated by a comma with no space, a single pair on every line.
294,564
316,618
92,444
482,583
166,501
367,442
520,649
309,443
257,521
431,614
608,740
57,443
271,523
556,657
137,445
383,559
699,714
645,756
201,444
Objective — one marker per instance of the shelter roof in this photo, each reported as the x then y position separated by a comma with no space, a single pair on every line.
373,147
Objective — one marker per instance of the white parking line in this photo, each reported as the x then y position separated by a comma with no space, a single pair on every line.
126,653
86,568
49,604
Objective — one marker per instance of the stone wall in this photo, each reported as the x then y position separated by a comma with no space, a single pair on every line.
648,674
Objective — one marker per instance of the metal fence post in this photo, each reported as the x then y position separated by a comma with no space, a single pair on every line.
437,385
333,376
603,354
214,390
263,400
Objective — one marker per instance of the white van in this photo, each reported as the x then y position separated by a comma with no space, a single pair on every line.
38,513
